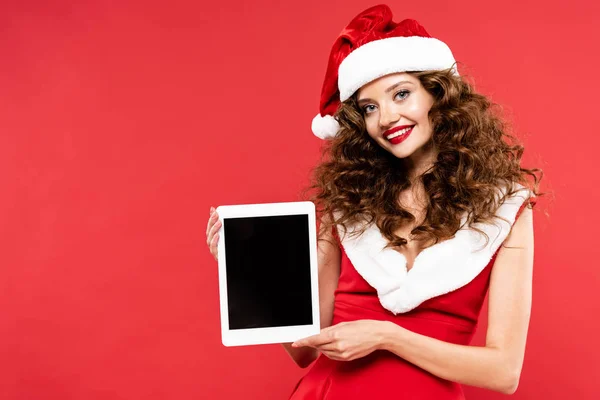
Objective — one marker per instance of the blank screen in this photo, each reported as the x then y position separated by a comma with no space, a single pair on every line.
268,271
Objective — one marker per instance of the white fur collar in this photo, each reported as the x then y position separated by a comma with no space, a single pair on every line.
437,270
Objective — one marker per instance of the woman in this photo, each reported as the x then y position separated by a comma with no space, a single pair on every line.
424,206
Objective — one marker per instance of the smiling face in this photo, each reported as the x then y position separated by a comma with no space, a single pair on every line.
395,108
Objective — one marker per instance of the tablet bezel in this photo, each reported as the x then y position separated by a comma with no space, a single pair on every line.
287,334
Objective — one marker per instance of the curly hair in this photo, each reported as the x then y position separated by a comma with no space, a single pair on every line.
357,180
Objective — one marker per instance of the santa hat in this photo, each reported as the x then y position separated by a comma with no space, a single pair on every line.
369,47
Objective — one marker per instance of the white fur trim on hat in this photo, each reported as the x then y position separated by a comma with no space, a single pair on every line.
324,127
386,56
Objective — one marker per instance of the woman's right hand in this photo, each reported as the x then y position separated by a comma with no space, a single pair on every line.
212,235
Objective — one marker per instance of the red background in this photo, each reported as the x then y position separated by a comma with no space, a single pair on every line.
121,125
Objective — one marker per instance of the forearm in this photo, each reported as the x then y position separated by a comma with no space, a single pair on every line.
302,356
483,367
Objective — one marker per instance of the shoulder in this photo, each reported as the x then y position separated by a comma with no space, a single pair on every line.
521,232
520,201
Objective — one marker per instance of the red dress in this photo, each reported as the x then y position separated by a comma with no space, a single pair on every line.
447,313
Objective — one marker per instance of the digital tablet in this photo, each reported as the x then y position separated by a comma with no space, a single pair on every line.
268,286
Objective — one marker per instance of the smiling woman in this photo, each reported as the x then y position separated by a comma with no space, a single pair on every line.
424,206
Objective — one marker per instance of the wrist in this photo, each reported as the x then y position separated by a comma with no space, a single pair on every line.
388,334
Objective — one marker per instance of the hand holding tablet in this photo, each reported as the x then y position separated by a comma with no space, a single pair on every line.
267,257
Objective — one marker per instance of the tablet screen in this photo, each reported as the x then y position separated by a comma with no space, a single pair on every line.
268,271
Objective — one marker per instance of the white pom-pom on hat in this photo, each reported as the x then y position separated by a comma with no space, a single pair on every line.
325,127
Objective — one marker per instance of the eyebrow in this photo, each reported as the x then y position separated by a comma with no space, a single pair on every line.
394,86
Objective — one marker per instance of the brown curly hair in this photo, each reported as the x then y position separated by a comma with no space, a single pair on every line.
358,180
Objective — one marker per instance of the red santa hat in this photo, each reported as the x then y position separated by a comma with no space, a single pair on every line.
369,47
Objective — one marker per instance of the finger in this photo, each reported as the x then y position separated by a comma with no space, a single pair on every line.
214,246
214,216
308,341
341,355
213,231
214,228
331,347
312,341
214,243
333,355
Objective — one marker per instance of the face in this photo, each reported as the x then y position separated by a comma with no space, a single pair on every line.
395,108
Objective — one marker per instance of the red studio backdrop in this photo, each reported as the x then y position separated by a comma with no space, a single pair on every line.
121,124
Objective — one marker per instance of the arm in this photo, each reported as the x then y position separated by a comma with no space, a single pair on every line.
497,365
329,258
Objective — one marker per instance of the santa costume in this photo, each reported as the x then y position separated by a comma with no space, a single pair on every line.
442,294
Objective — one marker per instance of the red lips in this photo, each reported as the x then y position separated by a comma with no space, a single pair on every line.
395,129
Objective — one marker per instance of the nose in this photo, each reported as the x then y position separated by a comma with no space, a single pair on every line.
387,117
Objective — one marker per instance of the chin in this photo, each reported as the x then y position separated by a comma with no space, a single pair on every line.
402,153
409,147
402,150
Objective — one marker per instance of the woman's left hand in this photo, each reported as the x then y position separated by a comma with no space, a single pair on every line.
348,341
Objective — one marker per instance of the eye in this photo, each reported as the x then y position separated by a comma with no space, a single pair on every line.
402,94
368,109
